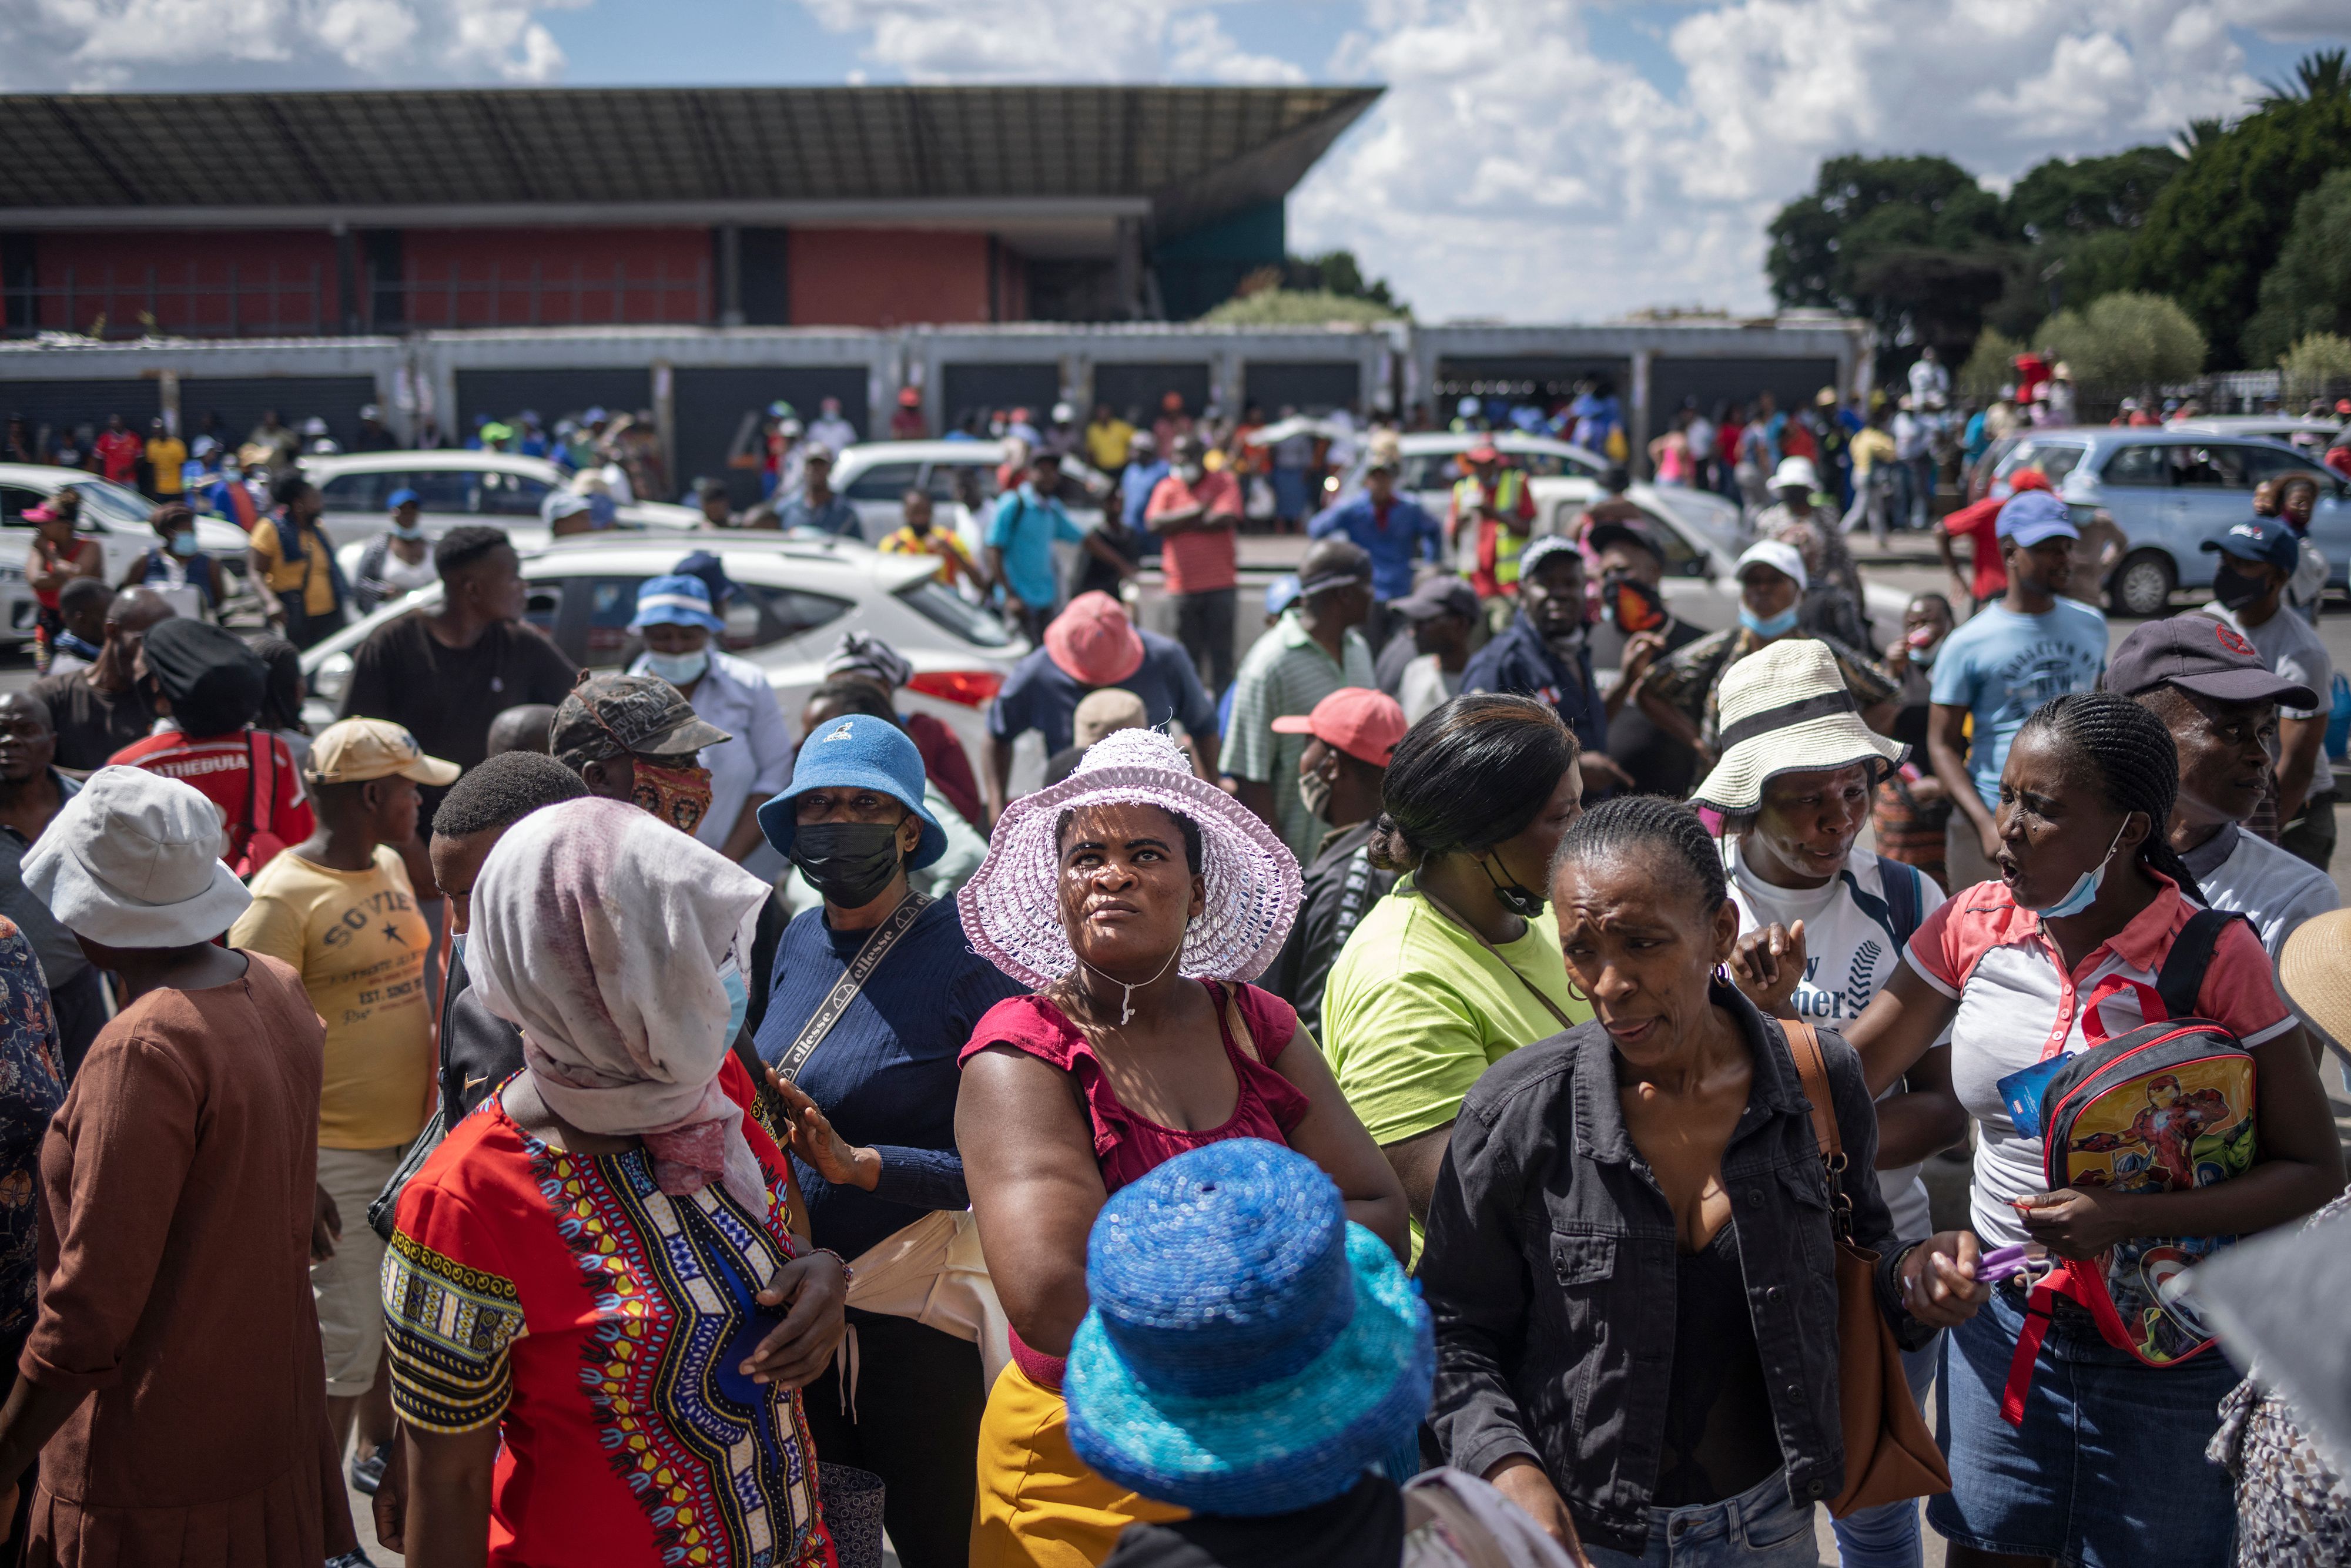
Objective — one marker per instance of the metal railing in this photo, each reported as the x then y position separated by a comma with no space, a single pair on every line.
292,301
259,302
540,297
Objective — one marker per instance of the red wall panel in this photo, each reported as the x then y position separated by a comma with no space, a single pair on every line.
883,278
254,283
534,277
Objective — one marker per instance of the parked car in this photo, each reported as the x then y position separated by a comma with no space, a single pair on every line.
2169,488
797,597
502,488
2305,433
876,474
112,515
1701,532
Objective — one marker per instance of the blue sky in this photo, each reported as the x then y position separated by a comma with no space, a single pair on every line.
1532,160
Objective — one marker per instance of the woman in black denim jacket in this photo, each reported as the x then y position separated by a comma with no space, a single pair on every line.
1630,1255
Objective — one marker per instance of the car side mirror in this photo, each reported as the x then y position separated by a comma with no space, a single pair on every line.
1696,567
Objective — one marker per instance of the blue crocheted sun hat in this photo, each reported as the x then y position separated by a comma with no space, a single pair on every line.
1248,1352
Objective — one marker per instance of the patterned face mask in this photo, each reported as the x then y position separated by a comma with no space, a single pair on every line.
678,795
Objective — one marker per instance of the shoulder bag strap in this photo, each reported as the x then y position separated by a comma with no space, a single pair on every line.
1556,1011
875,948
2181,977
1804,1045
1239,1024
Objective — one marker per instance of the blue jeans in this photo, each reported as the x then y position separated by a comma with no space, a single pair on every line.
1760,1528
1887,1536
2109,1469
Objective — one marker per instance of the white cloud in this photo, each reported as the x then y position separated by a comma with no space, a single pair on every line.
86,45
1513,171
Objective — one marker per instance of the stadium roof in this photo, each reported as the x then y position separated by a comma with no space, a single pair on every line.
1184,156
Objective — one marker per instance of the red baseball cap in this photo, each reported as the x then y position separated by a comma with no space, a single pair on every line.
1484,452
1363,723
1093,642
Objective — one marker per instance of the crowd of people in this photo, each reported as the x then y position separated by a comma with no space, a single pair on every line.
1395,1094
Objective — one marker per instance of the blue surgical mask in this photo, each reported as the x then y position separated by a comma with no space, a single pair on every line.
679,669
2085,886
1779,625
184,543
415,532
738,995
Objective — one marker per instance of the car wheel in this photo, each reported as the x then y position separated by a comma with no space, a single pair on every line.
2142,584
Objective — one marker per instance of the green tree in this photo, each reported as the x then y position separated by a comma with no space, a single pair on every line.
1914,243
1298,308
2309,289
2217,229
1338,272
2077,218
1992,365
2126,341
2320,363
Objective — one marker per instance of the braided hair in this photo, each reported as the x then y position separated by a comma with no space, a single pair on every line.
2131,751
1470,774
1648,821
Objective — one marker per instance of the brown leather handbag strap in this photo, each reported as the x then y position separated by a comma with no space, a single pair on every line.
1804,1044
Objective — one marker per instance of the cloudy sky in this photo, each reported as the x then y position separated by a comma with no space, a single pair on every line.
1533,160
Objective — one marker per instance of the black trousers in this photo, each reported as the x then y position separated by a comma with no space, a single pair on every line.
1204,625
918,1426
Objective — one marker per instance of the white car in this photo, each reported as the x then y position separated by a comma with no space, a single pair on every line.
1701,532
958,476
798,597
114,516
505,489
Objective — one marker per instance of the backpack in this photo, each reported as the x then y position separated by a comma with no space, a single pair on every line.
253,843
2166,1107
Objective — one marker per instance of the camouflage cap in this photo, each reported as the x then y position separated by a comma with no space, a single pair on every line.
606,715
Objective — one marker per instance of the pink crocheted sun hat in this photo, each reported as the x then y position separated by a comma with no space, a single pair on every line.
1011,906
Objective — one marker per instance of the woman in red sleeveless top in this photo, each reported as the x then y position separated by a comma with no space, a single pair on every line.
1134,897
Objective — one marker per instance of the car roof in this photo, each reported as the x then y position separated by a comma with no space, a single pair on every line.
593,552
335,464
1450,441
2259,424
870,454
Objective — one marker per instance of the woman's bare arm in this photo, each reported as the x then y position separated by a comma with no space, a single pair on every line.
448,1523
1900,1022
1926,1118
1333,1137
1029,1161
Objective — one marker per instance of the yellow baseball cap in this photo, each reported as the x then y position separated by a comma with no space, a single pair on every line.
358,750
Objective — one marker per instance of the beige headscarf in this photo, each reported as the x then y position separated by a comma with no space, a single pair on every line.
600,931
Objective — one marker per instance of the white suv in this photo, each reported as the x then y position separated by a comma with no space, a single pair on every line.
114,516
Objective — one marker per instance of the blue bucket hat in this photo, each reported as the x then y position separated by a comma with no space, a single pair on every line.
857,752
677,599
1249,1351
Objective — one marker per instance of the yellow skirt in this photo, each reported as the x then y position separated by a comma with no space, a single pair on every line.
1040,1505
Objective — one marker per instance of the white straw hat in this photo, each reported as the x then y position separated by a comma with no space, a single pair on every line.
133,860
1784,708
1011,907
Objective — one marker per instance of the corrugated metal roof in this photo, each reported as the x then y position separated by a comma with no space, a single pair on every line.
1198,153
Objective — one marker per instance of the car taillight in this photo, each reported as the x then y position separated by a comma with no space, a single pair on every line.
969,687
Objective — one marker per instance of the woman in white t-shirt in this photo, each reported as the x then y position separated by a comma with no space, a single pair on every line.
2107,1465
1821,927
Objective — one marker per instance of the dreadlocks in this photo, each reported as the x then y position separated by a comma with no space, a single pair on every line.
2137,767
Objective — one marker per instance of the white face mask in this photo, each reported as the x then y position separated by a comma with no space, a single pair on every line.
679,669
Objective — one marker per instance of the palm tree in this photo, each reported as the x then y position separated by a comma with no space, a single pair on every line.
2199,133
2324,74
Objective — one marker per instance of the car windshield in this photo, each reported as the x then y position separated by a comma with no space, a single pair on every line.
112,502
2055,460
947,610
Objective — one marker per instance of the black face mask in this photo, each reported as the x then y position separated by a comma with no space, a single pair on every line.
848,863
2234,588
1513,894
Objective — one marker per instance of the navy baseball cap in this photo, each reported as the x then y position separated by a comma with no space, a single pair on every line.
857,751
2031,517
2199,654
2267,540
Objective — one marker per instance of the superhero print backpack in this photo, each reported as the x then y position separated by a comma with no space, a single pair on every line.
2166,1107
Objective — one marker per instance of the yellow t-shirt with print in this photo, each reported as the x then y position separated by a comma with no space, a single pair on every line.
359,943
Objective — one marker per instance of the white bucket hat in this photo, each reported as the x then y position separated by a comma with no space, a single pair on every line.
1784,708
1011,906
1795,471
133,860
